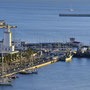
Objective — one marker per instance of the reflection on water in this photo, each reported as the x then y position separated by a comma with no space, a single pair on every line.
74,75
39,22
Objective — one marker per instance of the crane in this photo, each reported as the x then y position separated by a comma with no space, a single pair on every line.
6,26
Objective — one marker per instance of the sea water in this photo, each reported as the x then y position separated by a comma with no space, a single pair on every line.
39,21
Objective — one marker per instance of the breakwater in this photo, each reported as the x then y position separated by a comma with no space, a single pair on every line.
34,67
75,15
25,60
38,57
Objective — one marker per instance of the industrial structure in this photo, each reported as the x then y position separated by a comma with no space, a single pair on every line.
6,43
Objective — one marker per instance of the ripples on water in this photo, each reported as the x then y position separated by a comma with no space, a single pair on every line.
74,75
38,23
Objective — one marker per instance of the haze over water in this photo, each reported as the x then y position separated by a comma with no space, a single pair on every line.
39,21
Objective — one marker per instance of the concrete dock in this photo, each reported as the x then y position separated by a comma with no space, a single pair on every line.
34,67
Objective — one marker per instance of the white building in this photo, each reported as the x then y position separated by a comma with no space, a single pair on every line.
75,43
6,44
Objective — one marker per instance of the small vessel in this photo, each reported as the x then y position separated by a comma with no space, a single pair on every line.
71,10
31,71
26,72
34,71
69,58
13,77
66,58
5,82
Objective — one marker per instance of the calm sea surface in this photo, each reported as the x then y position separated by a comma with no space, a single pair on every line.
74,75
40,22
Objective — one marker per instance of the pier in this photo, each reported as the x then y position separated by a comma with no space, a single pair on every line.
34,67
34,58
29,56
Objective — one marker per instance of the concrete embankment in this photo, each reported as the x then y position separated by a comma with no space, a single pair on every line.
34,67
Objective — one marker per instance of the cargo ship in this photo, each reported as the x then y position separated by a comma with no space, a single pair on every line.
74,15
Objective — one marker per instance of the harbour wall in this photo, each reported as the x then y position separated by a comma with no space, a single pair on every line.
34,67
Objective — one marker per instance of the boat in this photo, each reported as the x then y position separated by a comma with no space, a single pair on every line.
69,58
26,72
13,77
31,71
71,10
66,58
34,71
5,82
